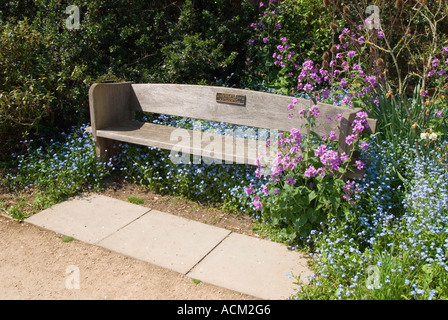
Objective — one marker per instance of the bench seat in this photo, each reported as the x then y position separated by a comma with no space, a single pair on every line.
165,137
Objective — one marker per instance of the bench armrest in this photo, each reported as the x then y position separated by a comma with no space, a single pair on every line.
109,104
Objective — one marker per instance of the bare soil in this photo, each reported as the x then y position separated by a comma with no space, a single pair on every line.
182,207
35,263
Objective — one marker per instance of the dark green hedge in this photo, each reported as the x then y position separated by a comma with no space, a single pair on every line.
46,69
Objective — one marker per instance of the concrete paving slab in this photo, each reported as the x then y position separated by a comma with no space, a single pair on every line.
252,266
214,255
88,218
166,240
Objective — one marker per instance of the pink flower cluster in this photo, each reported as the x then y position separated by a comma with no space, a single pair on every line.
339,73
359,125
283,54
289,160
330,158
260,26
257,203
439,68
309,75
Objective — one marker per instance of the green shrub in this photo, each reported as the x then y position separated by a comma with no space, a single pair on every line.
196,57
206,44
24,97
307,184
47,69
295,30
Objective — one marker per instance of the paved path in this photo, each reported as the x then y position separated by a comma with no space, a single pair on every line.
214,255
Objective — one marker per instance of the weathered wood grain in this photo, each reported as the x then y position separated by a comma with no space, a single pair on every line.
262,110
224,149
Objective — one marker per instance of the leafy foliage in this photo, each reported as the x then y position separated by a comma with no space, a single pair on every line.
24,96
295,30
47,69
307,178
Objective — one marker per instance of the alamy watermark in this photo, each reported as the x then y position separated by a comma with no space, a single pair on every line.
235,146
72,282
373,278
73,20
373,21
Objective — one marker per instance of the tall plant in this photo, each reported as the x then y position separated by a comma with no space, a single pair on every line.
404,41
285,34
307,183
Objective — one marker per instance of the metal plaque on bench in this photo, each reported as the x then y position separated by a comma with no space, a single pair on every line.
239,100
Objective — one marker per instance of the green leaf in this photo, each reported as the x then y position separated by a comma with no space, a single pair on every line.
67,239
311,196
313,215
399,175
300,222
305,230
335,202
275,220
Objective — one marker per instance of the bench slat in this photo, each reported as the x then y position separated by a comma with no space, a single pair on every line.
155,135
208,145
261,109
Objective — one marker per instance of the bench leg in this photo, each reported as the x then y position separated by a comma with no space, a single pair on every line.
106,149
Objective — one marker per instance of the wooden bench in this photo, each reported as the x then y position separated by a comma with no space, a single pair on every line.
113,107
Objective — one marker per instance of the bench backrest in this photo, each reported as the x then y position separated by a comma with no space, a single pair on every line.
235,106
111,103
